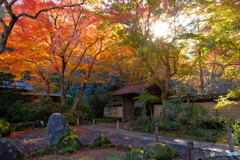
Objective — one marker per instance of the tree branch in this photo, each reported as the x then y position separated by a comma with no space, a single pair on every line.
11,3
1,2
3,23
48,9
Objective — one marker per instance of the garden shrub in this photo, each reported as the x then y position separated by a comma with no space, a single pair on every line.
71,120
97,103
237,137
199,132
208,135
213,124
159,151
20,112
83,107
136,154
143,124
8,96
5,128
25,112
236,133
86,110
169,125
190,114
45,108
99,140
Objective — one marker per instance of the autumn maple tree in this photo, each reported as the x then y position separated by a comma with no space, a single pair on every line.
214,46
162,55
13,11
71,43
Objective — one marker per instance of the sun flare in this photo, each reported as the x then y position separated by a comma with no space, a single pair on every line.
160,29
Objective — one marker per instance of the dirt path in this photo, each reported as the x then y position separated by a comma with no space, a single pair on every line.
94,154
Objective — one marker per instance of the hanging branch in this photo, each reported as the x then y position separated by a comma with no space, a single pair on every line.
14,18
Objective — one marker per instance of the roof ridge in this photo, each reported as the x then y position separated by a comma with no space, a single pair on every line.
131,83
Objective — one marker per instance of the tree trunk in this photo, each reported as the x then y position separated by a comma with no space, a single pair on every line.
79,96
165,115
160,84
201,73
230,139
201,79
48,89
63,95
62,81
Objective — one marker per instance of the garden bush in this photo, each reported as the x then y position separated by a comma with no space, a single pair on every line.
208,135
159,151
97,103
26,112
143,124
169,125
237,137
213,124
5,128
84,108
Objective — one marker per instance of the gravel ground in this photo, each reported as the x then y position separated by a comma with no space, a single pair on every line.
33,140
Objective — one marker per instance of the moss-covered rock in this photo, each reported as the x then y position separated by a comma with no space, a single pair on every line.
159,151
40,153
71,141
9,151
112,145
99,140
137,154
90,145
5,128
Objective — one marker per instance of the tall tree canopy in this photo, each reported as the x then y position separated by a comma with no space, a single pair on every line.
195,42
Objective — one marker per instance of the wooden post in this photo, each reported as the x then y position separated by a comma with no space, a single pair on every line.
191,154
93,123
156,131
230,139
77,121
117,127
123,110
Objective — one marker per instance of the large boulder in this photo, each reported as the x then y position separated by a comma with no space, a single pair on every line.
9,151
5,128
57,128
159,151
